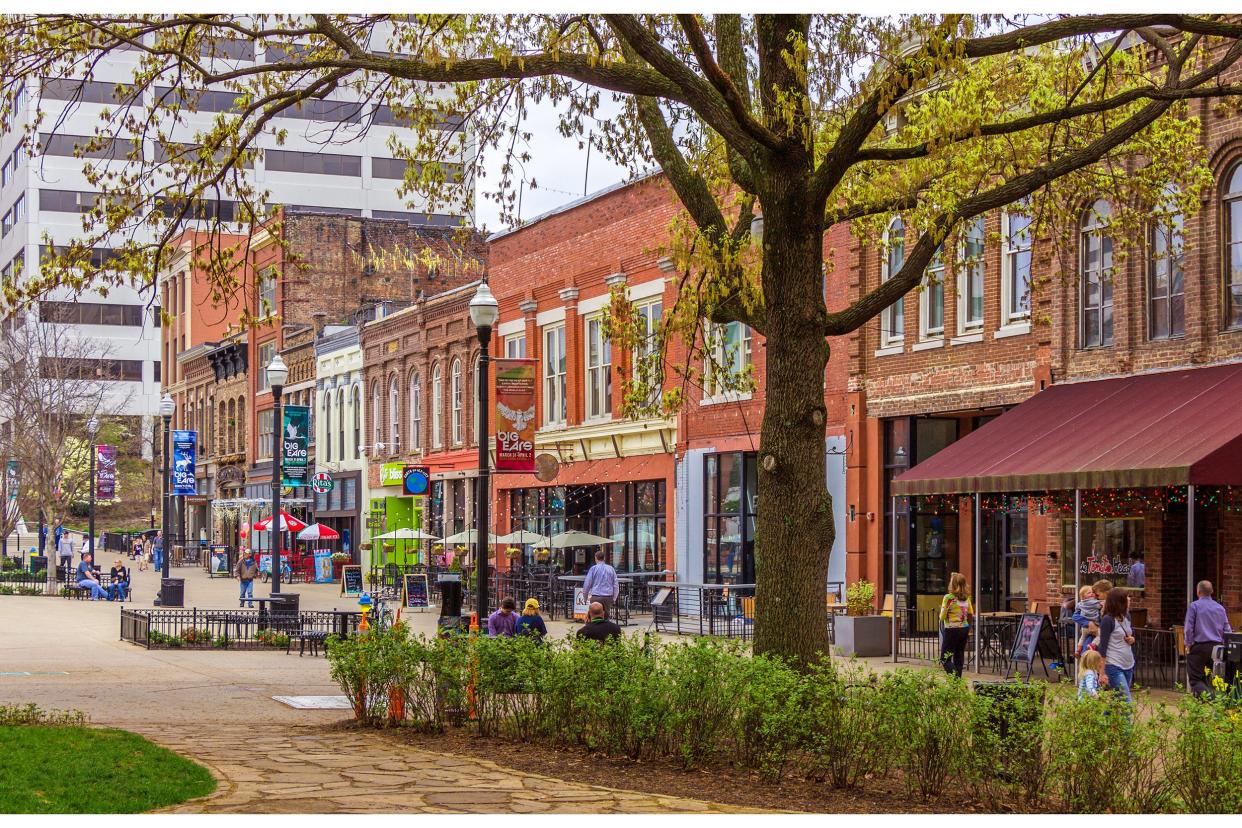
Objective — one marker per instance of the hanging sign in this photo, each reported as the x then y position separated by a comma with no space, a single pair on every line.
294,434
12,478
105,472
184,448
515,415
322,482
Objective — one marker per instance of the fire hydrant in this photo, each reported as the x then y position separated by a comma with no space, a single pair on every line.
364,606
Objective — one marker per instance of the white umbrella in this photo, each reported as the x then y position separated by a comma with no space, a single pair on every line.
521,536
467,537
566,540
407,534
317,531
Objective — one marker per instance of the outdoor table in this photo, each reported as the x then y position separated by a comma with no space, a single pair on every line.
837,609
263,610
340,621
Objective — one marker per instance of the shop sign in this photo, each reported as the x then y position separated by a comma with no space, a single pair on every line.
105,472
1101,565
515,415
322,482
184,451
391,474
294,434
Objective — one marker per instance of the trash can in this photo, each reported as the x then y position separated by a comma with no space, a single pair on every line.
286,603
450,595
172,592
38,563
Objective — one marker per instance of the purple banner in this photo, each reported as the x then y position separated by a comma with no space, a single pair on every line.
105,472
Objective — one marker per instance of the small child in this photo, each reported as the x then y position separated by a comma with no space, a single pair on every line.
1086,612
1091,674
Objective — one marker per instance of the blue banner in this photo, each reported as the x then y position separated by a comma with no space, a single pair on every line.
323,566
184,444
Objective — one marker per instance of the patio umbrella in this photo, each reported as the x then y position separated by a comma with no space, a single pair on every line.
288,523
467,537
407,534
566,540
317,531
521,536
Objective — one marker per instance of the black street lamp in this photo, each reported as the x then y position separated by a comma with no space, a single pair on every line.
167,409
484,310
277,373
92,428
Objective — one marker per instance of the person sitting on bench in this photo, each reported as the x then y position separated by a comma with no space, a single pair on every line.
88,580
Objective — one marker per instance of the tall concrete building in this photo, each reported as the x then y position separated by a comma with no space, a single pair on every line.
334,159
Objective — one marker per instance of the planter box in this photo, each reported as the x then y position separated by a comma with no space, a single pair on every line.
862,635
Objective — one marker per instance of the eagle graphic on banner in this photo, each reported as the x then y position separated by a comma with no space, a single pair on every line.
520,419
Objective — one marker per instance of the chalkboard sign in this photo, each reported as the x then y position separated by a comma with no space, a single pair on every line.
1035,639
219,561
416,591
351,580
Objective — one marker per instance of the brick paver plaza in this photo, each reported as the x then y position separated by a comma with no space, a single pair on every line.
217,708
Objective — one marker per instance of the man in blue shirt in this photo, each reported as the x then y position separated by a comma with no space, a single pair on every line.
601,584
87,579
157,552
1207,623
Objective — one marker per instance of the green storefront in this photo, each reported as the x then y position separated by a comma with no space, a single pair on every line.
395,510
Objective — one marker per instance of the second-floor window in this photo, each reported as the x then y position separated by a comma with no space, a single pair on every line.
1096,277
327,426
598,370
267,433
1166,293
267,293
416,411
728,357
377,433
394,416
970,277
893,319
648,361
437,407
515,346
931,304
1016,267
554,404
455,390
357,414
267,352
1232,219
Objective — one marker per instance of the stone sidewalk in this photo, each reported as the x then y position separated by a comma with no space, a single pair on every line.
311,770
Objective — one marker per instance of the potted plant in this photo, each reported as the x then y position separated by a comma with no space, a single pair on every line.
339,559
861,632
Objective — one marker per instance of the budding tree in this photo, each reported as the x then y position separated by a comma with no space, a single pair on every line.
809,120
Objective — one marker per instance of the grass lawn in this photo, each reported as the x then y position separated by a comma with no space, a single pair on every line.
81,770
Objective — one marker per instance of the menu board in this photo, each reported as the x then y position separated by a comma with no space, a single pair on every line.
219,561
1034,639
351,580
416,591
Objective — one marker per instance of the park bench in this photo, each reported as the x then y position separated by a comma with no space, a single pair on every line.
72,590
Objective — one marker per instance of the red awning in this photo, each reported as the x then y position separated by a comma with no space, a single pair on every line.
604,470
1164,429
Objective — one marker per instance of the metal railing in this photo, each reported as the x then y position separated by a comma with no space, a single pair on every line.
725,610
241,629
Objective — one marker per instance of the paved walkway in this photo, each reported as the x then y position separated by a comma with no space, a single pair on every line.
309,770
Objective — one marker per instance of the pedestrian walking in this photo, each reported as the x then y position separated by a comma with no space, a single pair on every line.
247,570
87,579
601,584
597,627
530,622
956,614
157,552
1207,624
1117,641
119,575
503,621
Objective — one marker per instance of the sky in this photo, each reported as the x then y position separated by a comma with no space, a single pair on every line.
557,167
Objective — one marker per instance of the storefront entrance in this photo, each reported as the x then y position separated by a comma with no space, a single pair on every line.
1003,558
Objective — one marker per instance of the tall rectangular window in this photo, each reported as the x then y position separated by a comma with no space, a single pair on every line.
267,433
893,319
648,360
555,411
598,370
1096,277
931,304
728,358
267,351
267,293
1016,264
970,277
1166,295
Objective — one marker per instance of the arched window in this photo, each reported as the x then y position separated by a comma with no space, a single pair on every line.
377,434
456,392
340,422
242,430
416,411
970,277
1166,292
222,433
357,393
474,400
893,320
437,408
327,426
232,444
1096,276
394,415
1232,219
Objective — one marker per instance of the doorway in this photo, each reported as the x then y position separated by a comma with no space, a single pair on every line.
1003,558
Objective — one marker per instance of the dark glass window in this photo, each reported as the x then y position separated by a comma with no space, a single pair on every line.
1166,299
732,500
321,163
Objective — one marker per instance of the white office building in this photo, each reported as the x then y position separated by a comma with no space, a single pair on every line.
317,168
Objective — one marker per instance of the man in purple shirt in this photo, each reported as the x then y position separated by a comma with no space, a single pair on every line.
1206,626
502,621
601,584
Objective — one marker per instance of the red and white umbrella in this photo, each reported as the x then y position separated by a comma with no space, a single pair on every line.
317,531
288,523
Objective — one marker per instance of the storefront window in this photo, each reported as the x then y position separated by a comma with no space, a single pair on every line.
1112,548
630,514
731,500
435,514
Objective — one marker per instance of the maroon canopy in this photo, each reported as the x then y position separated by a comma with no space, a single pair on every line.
1163,429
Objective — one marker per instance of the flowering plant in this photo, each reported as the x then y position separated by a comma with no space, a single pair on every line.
513,552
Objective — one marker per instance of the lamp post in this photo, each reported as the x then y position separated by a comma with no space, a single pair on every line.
167,408
277,373
92,428
484,310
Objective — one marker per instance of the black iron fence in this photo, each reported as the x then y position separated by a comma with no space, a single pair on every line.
721,610
241,629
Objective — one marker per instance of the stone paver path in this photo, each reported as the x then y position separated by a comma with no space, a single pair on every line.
308,770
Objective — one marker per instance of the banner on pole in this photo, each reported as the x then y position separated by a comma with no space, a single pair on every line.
12,478
184,456
105,472
294,436
515,415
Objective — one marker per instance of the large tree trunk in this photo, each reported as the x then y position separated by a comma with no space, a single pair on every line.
795,529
